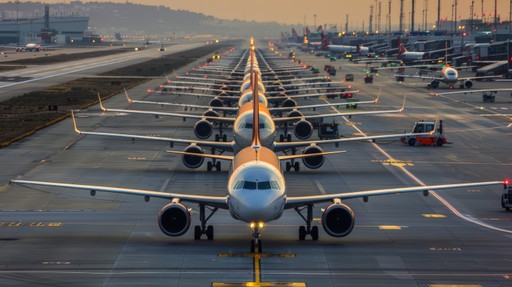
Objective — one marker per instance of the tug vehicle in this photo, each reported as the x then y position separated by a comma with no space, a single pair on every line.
506,198
435,138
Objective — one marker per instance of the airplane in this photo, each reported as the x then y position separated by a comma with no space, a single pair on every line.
255,168
242,126
448,75
488,95
326,45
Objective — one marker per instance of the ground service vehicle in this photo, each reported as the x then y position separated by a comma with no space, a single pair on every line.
506,198
349,77
328,131
368,79
436,136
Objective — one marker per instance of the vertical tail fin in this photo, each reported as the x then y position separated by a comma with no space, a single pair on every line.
256,112
401,48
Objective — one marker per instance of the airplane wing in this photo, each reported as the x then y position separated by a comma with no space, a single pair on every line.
226,146
215,201
292,202
231,157
288,119
225,120
479,78
491,91
279,146
418,77
279,109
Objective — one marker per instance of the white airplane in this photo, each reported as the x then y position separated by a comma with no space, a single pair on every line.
448,75
255,168
488,95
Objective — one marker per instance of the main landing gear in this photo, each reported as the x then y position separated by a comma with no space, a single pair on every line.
203,229
214,163
221,135
292,163
308,229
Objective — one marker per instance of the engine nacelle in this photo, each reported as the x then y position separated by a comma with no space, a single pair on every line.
203,129
192,161
338,220
211,113
303,129
468,84
289,103
294,114
216,102
313,162
174,219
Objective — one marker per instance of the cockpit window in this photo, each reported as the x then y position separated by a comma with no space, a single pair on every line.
450,73
249,185
264,185
253,185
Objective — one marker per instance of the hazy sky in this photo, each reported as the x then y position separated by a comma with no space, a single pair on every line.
327,11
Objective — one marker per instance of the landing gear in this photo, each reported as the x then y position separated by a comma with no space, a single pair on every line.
203,229
256,246
294,165
213,164
220,135
308,229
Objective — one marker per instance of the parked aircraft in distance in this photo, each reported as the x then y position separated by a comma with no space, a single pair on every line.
255,168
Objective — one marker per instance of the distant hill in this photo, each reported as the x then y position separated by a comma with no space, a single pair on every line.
131,19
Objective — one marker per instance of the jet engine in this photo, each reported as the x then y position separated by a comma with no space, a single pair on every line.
295,114
216,102
203,129
468,84
289,103
338,220
192,161
313,162
303,129
174,219
211,114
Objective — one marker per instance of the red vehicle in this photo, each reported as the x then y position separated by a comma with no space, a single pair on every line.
435,138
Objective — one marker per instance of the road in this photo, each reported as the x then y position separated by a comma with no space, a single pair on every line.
459,237
33,78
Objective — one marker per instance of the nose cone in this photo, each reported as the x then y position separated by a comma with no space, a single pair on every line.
255,205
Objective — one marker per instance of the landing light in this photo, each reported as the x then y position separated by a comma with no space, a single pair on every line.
261,225
252,225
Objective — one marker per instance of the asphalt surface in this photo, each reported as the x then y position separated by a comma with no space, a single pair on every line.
37,77
59,237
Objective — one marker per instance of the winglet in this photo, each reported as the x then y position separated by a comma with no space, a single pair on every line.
101,103
403,104
128,97
378,96
74,123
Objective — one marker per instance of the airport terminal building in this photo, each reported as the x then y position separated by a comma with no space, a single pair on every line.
47,29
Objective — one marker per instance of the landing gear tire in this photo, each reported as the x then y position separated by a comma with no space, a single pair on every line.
217,137
288,166
281,138
289,138
209,232
411,141
302,233
197,232
439,142
224,138
314,233
217,166
209,166
296,166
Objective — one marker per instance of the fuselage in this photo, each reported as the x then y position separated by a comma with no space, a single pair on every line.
243,126
256,186
450,75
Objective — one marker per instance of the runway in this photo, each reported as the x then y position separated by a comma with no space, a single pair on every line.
58,237
33,78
